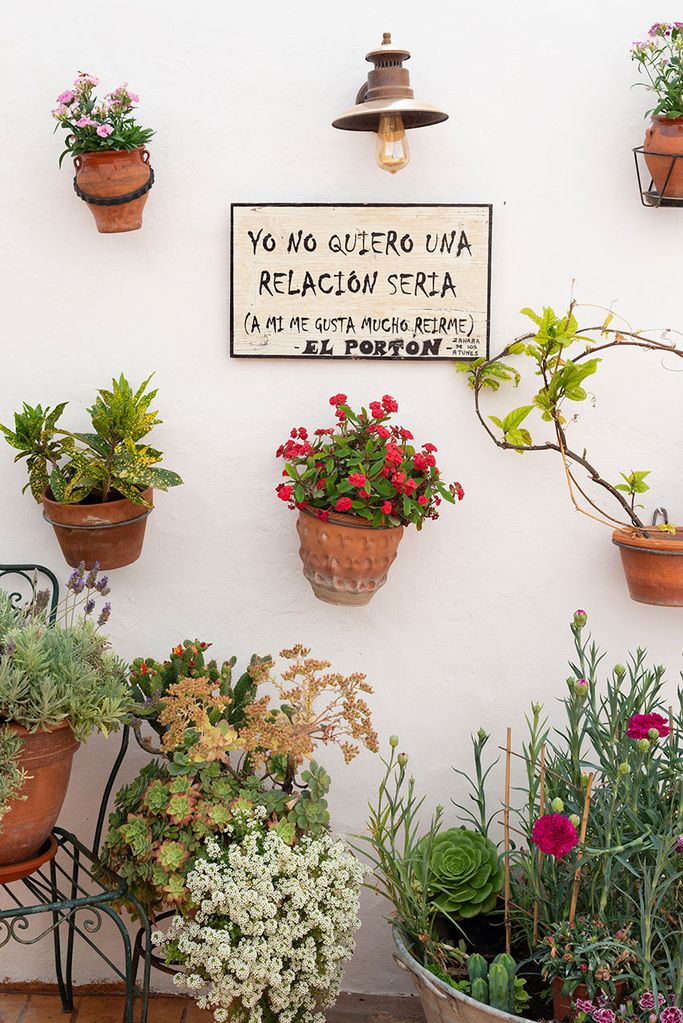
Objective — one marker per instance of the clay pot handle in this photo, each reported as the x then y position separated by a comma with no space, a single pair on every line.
77,163
145,154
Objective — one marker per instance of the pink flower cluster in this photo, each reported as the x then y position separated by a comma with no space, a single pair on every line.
640,726
555,835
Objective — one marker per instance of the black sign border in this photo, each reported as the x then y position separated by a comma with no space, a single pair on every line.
360,205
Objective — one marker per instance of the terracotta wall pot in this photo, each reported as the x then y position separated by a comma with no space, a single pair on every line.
665,136
562,1004
346,560
46,757
111,174
111,533
653,565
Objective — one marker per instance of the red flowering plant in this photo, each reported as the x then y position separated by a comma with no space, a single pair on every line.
595,847
364,466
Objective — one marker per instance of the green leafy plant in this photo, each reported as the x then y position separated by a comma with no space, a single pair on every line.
56,671
466,875
94,125
563,355
12,776
363,467
659,59
587,952
105,463
224,749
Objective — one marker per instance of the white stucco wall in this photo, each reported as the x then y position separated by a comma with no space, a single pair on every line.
472,624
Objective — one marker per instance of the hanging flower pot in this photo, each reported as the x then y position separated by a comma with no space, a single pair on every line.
115,185
110,533
345,559
113,173
658,58
653,565
357,485
46,758
96,488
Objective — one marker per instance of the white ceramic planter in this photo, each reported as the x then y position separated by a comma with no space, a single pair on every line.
440,1002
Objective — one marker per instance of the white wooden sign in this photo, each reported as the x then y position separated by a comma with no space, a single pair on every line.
360,281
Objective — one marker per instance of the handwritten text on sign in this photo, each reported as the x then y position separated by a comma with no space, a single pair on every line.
360,281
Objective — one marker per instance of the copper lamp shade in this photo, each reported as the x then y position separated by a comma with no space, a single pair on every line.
388,91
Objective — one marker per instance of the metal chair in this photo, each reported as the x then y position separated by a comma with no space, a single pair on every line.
73,888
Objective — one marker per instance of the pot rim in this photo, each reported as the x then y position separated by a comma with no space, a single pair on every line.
629,539
442,990
663,119
350,521
47,499
104,153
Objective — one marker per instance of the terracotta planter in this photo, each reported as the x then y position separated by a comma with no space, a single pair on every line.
665,136
440,1002
111,533
346,560
46,757
653,565
562,1004
115,185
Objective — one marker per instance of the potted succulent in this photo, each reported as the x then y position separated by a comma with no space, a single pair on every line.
58,683
113,173
96,487
356,486
565,355
233,796
592,897
659,60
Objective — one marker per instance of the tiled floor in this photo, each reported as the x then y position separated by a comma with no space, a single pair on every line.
39,1008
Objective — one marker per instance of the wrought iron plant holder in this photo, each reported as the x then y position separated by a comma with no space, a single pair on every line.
649,196
69,884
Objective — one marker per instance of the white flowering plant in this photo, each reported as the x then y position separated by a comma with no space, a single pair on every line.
275,923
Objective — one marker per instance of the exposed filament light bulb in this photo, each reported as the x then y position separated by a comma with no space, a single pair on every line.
392,145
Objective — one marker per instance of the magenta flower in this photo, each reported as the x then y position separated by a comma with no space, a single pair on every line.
555,835
606,1016
679,844
672,1014
104,130
85,122
66,97
583,1005
647,1000
640,725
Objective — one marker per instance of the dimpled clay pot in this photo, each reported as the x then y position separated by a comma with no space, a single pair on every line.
563,1005
111,533
346,560
653,565
665,136
113,174
46,757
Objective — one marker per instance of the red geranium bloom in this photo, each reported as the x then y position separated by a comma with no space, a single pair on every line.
430,447
389,404
322,515
640,724
376,410
285,492
383,432
338,399
422,499
343,504
357,479
555,835
387,508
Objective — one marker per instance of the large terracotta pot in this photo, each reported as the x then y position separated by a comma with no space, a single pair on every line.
346,560
46,757
111,533
440,1002
112,175
653,565
562,1004
665,136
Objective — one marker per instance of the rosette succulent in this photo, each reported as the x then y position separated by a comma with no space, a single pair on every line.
466,873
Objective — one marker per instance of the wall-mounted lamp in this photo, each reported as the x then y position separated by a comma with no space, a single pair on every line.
386,104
